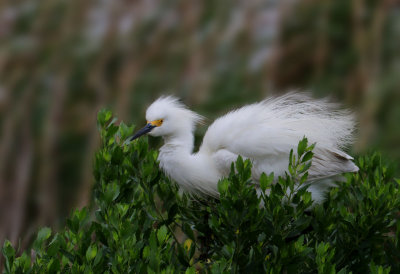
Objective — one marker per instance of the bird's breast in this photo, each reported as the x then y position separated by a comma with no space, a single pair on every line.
193,172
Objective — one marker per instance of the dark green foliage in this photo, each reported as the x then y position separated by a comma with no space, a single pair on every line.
140,222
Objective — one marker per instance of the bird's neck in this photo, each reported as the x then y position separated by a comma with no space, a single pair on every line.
192,171
182,143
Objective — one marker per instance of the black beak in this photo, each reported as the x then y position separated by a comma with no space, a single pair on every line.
142,131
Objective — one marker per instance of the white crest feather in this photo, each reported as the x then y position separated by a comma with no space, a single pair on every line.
173,104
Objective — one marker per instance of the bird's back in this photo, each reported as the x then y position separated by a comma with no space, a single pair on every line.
266,132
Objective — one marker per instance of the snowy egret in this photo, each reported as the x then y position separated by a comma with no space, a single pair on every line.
263,132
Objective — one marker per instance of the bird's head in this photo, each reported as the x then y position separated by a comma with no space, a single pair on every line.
168,117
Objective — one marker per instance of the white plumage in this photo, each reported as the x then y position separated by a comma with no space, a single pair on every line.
264,132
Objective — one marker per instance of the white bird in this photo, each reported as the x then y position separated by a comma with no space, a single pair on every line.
263,132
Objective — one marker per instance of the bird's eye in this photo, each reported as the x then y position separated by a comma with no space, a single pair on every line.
156,123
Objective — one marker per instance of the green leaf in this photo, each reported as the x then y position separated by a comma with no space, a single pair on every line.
104,116
239,164
153,241
223,185
190,270
24,262
162,234
43,234
8,250
307,157
53,266
125,131
306,198
266,181
310,148
378,269
108,116
291,158
112,192
146,252
304,167
68,255
91,252
54,245
277,189
303,178
107,156
302,146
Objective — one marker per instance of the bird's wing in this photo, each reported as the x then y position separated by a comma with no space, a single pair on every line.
270,129
223,159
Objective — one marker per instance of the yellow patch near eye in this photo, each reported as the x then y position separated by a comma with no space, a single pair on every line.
156,123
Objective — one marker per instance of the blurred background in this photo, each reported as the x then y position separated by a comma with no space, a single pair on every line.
63,60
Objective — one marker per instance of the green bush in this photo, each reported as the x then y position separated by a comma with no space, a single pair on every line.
141,223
